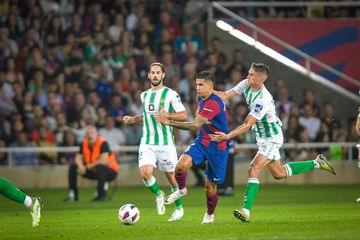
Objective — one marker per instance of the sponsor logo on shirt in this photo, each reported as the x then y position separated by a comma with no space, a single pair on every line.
258,108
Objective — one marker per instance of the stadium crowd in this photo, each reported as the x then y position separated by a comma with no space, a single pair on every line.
68,64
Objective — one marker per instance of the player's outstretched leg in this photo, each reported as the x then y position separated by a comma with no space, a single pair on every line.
178,212
170,199
325,164
35,211
320,162
242,215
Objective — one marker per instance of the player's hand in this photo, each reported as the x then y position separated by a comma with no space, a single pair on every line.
162,119
218,136
128,120
81,169
164,113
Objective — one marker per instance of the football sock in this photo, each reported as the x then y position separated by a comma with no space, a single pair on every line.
10,191
211,202
179,202
181,179
294,168
153,185
252,188
359,167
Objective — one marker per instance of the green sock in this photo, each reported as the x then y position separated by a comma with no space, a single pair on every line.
294,168
179,202
359,167
153,186
250,193
10,191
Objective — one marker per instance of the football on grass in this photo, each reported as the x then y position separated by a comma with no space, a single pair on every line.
129,214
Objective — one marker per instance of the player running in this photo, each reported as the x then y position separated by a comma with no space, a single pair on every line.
34,204
157,148
263,120
211,117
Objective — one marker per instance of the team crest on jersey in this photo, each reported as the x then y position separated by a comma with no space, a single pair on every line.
178,98
258,108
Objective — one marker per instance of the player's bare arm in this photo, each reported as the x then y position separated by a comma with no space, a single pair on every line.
177,116
246,126
132,119
226,95
192,126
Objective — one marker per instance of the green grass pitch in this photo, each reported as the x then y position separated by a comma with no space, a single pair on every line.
279,212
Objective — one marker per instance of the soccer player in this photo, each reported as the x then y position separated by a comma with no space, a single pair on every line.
267,127
211,117
157,147
34,204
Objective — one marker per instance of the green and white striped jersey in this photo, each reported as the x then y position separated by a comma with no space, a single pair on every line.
155,133
262,106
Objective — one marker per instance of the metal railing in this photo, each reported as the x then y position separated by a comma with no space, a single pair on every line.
309,5
134,149
308,59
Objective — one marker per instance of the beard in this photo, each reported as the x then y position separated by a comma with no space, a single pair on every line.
155,84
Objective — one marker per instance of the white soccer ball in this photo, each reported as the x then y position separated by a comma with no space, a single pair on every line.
129,214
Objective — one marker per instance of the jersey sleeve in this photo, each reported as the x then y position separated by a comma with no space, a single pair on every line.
259,109
210,109
240,87
176,103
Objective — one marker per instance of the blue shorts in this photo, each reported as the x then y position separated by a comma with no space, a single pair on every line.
217,161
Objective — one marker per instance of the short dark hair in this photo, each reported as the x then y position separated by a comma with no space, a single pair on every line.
261,68
156,64
206,75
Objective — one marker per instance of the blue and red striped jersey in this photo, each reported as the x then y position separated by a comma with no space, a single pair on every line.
214,109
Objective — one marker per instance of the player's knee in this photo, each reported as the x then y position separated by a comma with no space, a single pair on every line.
180,168
209,190
145,174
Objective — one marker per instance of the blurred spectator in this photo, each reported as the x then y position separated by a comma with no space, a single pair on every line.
309,99
283,103
23,158
74,111
186,36
328,118
115,30
310,121
8,46
3,155
113,135
166,22
44,141
195,11
69,140
61,127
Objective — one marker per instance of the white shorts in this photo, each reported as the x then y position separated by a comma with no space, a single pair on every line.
271,150
162,156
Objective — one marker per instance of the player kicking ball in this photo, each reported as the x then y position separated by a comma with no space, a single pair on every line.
34,204
262,119
211,117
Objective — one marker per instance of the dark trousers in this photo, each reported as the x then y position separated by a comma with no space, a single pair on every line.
102,175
